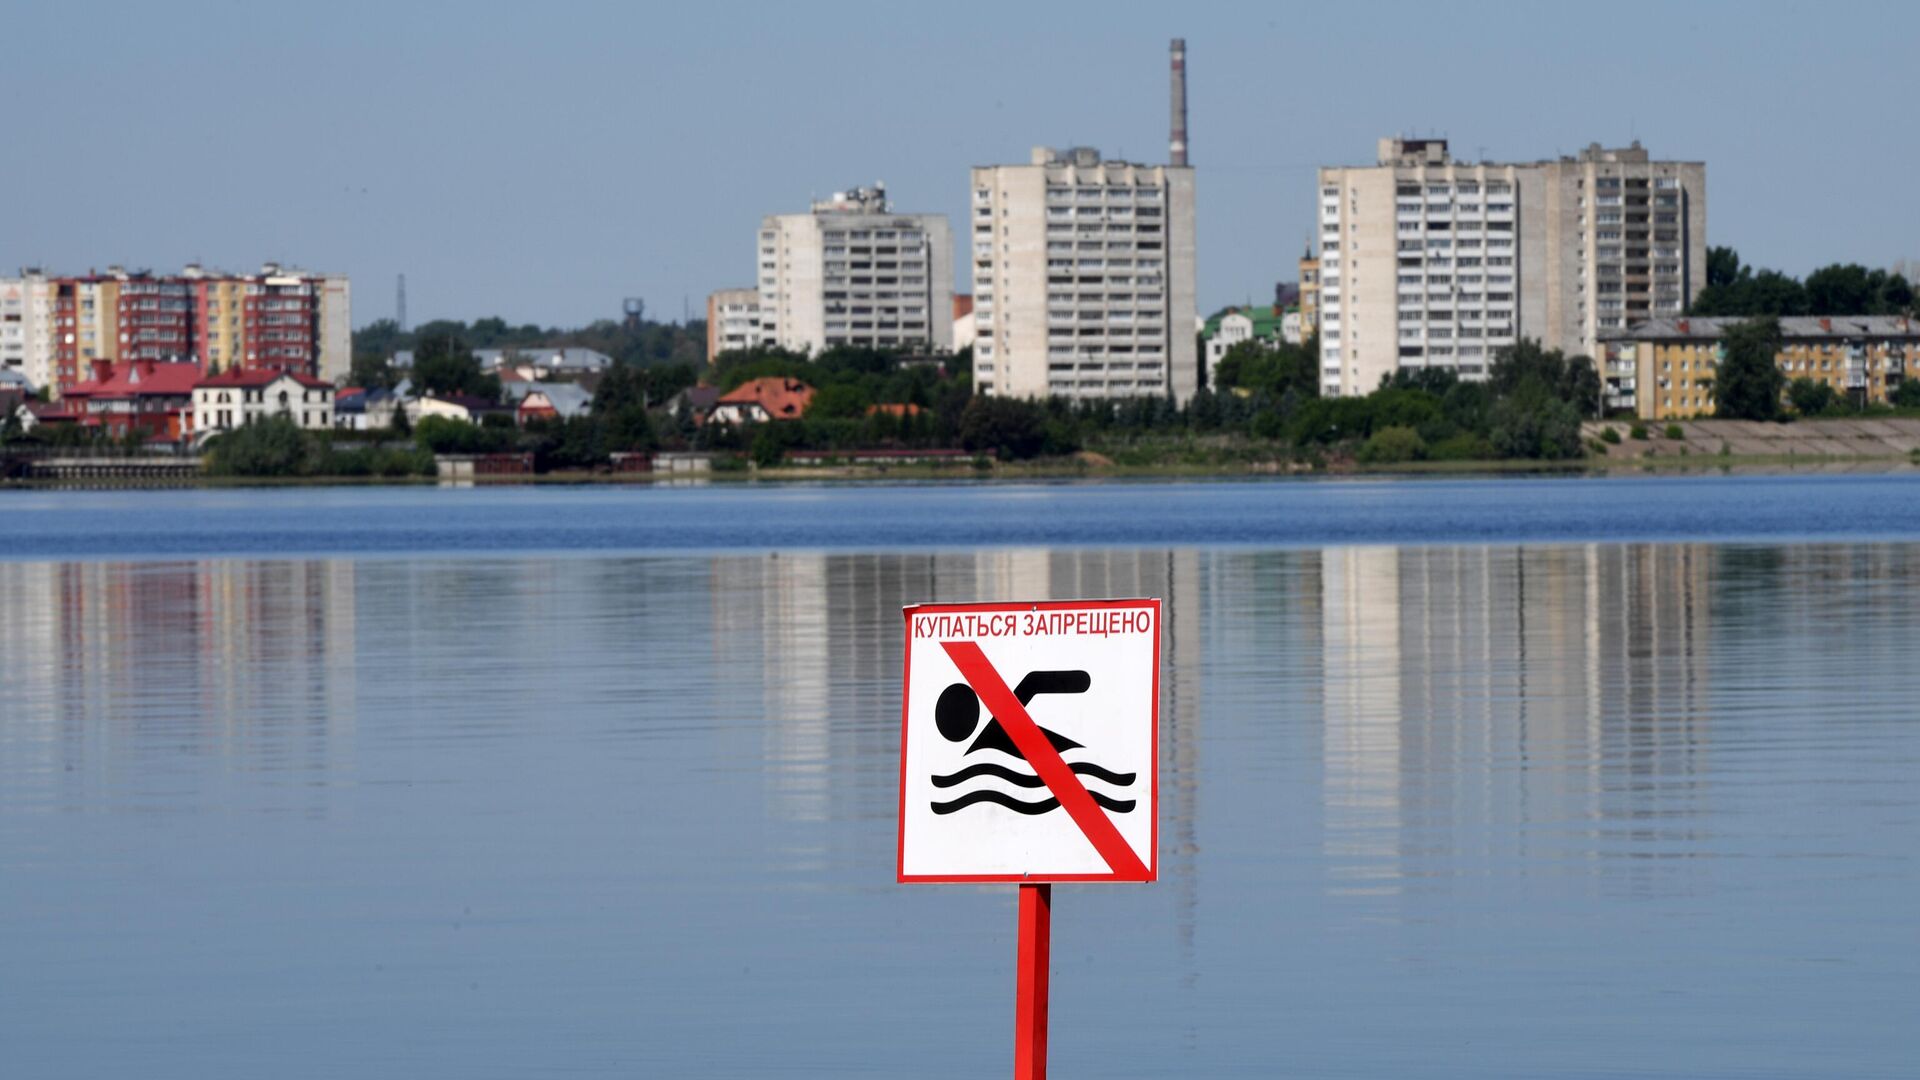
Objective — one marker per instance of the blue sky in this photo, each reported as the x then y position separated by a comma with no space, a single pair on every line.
542,161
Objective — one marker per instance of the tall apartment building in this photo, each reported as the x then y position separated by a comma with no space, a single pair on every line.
281,319
1430,262
26,326
733,321
1083,278
853,272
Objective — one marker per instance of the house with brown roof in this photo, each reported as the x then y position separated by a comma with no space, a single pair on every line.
760,400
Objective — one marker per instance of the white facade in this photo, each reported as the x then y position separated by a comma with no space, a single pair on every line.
1083,278
333,344
229,405
1430,262
27,327
733,321
851,272
1234,328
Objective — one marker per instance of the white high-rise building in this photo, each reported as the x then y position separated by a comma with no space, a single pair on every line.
27,326
1430,262
852,272
1083,278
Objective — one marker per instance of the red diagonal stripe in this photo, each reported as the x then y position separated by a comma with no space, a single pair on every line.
1046,761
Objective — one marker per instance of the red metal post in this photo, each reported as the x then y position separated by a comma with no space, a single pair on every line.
1030,1002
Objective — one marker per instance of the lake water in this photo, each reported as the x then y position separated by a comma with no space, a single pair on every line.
1511,778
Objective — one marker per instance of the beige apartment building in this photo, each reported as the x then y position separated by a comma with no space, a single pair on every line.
1083,278
733,321
1309,297
1426,261
1663,369
27,326
853,272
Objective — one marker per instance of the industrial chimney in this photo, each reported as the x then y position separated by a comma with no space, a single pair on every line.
1178,142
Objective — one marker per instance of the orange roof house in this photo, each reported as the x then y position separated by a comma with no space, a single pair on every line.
761,400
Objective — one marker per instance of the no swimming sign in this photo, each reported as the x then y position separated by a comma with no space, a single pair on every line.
1029,744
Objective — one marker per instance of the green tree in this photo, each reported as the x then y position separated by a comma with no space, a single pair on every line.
1535,424
1907,394
839,401
1747,384
371,371
1723,266
1842,290
1811,397
442,364
1008,428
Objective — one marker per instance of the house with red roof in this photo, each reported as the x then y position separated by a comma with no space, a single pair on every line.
125,397
760,400
237,397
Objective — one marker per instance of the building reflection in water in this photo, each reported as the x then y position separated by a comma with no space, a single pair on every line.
106,667
1546,708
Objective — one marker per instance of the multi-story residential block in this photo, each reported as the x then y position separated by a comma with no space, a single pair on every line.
853,272
733,321
1309,296
1083,278
1430,262
279,319
26,327
1664,368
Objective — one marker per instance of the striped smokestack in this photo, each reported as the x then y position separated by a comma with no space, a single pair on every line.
1178,142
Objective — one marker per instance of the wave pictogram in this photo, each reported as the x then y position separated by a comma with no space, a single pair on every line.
1001,798
1084,768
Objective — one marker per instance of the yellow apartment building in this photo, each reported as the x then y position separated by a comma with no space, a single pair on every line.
1663,369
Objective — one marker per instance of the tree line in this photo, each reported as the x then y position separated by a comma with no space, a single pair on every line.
1735,289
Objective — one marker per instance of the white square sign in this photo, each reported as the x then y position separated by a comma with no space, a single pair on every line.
1029,745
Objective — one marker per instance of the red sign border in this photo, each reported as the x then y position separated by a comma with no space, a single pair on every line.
906,664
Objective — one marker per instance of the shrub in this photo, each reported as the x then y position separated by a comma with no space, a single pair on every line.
1610,435
1466,446
444,435
1393,445
271,447
1674,432
1639,432
1907,395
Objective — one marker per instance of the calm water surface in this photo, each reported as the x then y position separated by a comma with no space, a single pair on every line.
425,800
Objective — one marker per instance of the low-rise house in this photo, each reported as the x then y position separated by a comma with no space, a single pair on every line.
698,401
1663,369
547,401
760,400
468,407
242,396
1267,325
542,362
139,396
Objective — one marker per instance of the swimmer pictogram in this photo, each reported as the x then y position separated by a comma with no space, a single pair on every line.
957,715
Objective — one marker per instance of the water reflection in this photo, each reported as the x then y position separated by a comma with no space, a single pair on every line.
1378,765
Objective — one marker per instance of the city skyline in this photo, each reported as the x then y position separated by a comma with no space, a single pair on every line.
527,168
